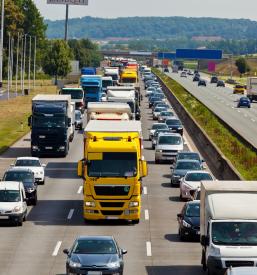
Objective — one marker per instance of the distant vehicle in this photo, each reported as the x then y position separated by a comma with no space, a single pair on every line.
13,202
214,79
77,96
78,120
196,72
156,126
220,83
183,74
251,88
164,115
166,70
179,64
26,176
95,255
152,100
181,168
167,147
189,221
157,111
175,125
196,78
239,89
156,135
192,181
244,102
190,155
34,165
88,71
189,72
242,270
201,82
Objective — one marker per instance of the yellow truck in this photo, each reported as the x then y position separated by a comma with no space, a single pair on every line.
129,76
112,168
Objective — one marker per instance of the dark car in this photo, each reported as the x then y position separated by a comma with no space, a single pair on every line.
220,83
189,221
26,176
201,82
95,255
189,155
175,125
214,79
244,102
152,100
166,70
78,120
196,78
181,167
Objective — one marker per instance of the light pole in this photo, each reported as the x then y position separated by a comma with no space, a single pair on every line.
1,45
29,60
24,63
66,23
17,64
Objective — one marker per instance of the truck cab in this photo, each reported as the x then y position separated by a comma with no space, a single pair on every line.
92,86
77,96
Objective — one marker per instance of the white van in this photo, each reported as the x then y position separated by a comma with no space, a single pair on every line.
13,202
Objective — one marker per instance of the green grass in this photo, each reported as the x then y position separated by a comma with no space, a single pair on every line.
15,112
241,156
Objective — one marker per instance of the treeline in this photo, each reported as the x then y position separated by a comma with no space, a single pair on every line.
155,27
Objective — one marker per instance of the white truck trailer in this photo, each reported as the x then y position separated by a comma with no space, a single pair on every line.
251,88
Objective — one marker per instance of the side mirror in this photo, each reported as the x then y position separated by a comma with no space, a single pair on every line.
29,121
179,216
144,171
66,251
69,122
205,240
80,168
123,251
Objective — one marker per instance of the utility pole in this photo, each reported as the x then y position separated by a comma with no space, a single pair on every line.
24,63
66,23
29,60
17,64
21,76
9,57
35,58
11,61
1,45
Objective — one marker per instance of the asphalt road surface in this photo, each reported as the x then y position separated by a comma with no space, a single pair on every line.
153,245
223,103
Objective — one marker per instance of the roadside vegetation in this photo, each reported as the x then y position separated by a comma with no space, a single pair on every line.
241,156
14,114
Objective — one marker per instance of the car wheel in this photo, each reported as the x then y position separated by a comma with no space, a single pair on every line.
210,271
180,196
43,182
34,201
203,261
181,236
172,183
20,222
157,161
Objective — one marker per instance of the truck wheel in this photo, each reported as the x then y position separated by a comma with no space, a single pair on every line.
135,221
157,161
203,261
20,222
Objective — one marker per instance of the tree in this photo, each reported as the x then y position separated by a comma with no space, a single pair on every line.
57,59
242,65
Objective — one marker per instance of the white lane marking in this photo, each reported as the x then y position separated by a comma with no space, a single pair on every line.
253,120
145,190
188,145
70,214
80,189
146,215
148,249
56,249
239,111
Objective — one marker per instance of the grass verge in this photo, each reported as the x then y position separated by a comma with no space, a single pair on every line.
15,112
241,156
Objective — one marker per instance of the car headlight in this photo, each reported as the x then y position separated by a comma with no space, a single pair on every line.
90,203
214,251
133,204
113,265
30,190
176,176
62,148
16,209
158,150
185,224
34,147
74,264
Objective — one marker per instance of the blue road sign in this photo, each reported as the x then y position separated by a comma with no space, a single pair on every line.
198,54
163,55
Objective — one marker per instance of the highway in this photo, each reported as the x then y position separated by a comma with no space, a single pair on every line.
153,245
223,103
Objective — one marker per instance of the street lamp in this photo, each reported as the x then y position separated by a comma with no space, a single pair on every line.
1,45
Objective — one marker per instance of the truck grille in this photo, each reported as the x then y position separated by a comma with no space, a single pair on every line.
112,204
239,263
111,213
112,190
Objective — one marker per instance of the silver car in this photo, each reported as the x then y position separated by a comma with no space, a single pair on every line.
157,111
167,147
243,270
164,115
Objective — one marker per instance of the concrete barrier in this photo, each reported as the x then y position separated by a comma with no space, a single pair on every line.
221,167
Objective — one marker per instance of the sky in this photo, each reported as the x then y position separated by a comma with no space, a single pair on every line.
128,8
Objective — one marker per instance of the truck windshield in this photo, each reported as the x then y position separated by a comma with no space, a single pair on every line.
234,233
75,93
91,90
107,83
114,165
10,195
129,80
48,121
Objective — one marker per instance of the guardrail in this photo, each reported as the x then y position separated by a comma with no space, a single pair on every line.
221,167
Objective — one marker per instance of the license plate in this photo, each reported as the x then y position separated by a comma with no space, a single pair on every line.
94,273
4,217
49,148
112,218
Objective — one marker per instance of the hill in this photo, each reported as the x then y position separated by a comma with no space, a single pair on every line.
153,28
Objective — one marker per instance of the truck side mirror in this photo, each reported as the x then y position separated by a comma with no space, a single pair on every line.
205,240
144,168
69,122
80,168
29,121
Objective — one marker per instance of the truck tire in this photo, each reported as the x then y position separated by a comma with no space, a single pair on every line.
135,221
157,161
203,262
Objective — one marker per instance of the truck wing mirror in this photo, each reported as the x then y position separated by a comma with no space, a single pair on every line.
80,168
205,240
29,121
69,122
144,168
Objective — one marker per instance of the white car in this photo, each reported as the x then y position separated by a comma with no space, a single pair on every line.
242,270
157,111
156,126
192,181
13,202
34,165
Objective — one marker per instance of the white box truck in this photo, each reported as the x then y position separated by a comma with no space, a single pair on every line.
228,225
251,88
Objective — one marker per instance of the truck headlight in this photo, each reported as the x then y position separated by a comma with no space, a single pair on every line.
159,151
90,203
186,224
34,147
133,204
74,264
62,148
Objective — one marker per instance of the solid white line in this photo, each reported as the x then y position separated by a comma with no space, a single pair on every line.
145,190
146,215
70,214
148,249
80,189
188,145
252,120
56,249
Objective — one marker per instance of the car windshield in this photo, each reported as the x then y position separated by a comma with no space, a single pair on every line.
188,165
28,162
10,195
198,176
167,114
159,126
113,165
171,140
25,177
173,122
234,233
94,247
193,210
189,156
158,109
